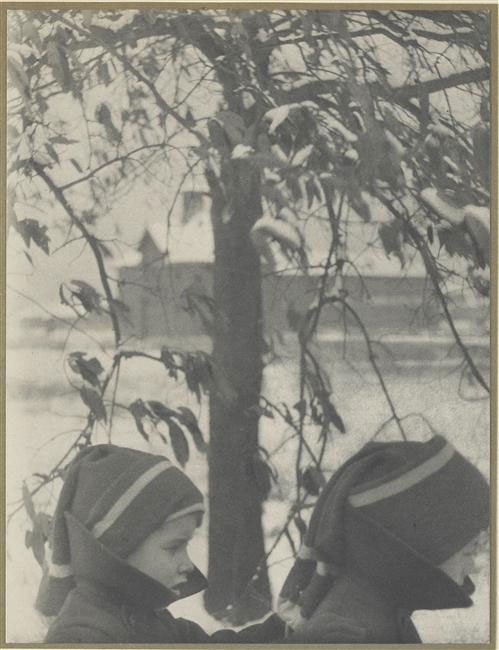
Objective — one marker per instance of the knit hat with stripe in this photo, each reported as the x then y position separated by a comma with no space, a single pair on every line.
422,497
120,496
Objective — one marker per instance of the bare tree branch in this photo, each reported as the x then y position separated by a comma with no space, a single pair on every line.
372,358
124,158
93,243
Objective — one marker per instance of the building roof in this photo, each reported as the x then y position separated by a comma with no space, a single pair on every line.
191,242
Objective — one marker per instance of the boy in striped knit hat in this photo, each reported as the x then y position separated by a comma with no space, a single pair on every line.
394,530
119,556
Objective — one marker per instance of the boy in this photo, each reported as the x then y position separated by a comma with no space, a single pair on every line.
394,530
119,557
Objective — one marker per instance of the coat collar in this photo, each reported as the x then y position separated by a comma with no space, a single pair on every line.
93,563
398,570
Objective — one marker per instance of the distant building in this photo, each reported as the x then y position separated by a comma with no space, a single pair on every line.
167,298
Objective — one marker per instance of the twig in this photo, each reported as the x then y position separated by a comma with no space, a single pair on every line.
427,258
71,325
429,263
165,108
125,157
93,243
372,358
292,424
113,401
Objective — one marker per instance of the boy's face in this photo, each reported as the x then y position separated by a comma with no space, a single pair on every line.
462,563
163,555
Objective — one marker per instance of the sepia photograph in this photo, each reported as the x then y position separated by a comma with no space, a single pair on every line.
250,277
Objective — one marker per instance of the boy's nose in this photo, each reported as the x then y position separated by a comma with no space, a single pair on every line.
473,564
186,565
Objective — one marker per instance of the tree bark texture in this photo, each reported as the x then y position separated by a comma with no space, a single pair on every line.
236,546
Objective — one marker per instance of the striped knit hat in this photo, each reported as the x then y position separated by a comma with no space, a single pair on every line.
120,496
423,497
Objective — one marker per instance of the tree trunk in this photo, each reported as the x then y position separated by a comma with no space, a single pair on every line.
236,546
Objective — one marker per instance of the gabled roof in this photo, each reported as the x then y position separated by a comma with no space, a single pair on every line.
148,243
150,251
155,234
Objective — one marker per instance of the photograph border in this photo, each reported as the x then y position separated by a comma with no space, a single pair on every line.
438,6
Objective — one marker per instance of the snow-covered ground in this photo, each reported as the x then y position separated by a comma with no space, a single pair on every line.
44,415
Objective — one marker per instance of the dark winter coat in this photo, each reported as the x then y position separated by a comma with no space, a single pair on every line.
363,614
92,614
113,602
371,615
384,581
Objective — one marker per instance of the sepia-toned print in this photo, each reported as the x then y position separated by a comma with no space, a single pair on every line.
248,324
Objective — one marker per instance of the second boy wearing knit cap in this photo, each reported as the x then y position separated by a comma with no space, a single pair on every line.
393,531
119,557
